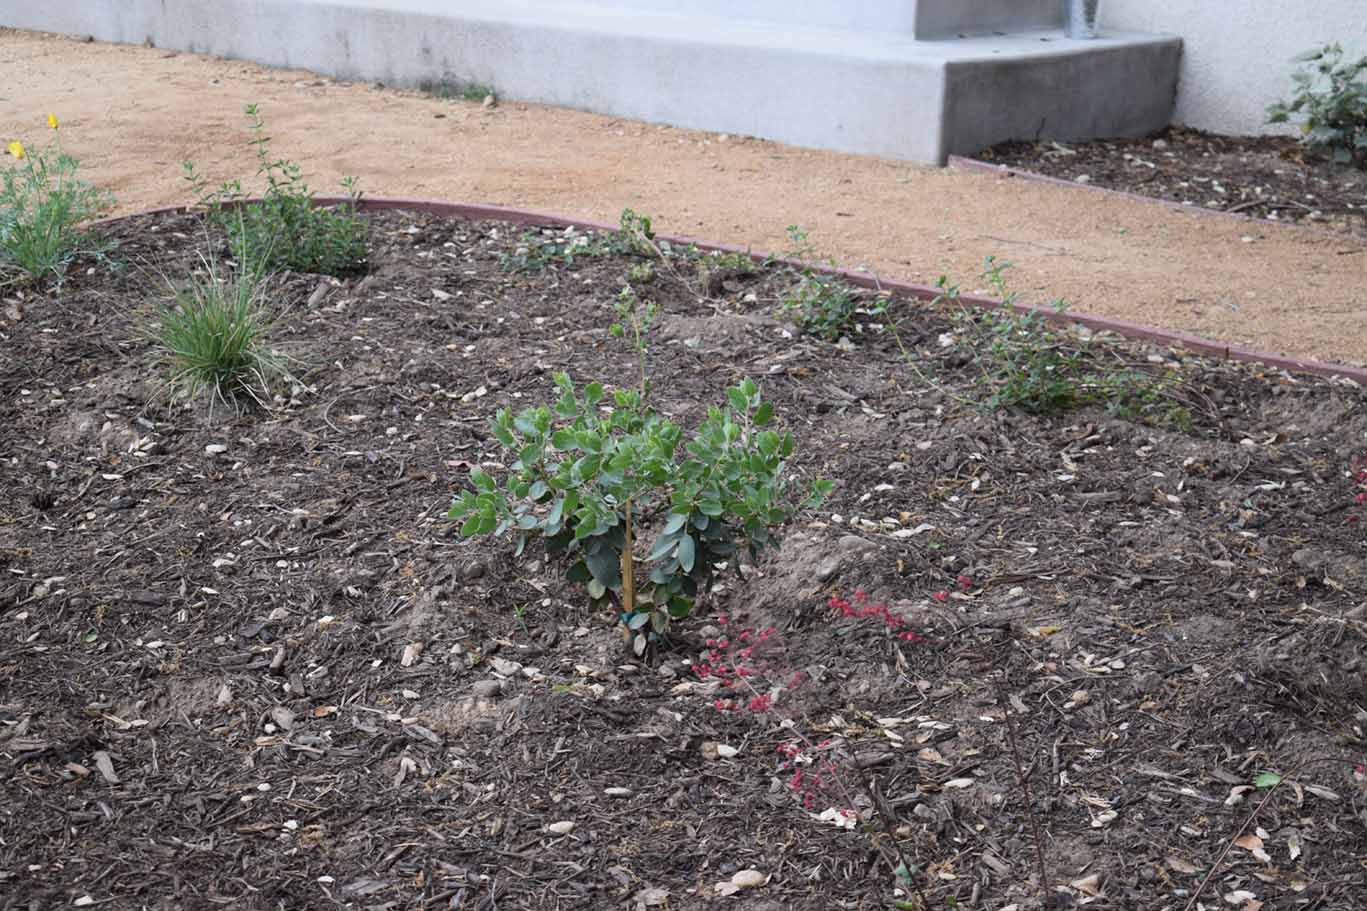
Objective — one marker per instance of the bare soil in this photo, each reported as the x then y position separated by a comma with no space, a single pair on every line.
133,114
1270,177
246,661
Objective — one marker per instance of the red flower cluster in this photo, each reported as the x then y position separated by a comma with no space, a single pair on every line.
861,609
1360,482
810,784
743,662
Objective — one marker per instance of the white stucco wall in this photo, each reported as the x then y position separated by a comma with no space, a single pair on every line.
1236,53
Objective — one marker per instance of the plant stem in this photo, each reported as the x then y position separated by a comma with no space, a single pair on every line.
628,565
1025,790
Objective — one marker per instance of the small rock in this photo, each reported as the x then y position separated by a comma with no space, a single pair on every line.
411,653
1160,144
564,827
487,689
215,449
283,717
617,792
1083,178
490,101
1308,558
504,666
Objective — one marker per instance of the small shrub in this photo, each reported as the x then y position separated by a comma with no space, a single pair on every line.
822,305
1331,95
42,205
598,469
210,338
285,230
1026,364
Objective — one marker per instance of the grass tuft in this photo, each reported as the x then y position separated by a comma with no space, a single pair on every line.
210,339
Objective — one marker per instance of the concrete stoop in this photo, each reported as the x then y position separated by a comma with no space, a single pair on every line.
910,79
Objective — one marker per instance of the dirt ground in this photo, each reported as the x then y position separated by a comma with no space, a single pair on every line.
247,661
133,114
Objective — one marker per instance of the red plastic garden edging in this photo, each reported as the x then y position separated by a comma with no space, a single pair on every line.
532,217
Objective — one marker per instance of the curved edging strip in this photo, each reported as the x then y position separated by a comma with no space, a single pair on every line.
533,218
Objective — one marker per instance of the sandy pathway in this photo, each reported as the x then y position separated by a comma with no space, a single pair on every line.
132,114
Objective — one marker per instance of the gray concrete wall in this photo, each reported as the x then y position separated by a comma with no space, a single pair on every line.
1236,55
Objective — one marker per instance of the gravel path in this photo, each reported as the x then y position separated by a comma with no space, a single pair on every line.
133,114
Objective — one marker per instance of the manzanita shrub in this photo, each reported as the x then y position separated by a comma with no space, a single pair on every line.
600,467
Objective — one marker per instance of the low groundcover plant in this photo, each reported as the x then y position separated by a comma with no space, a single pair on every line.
42,206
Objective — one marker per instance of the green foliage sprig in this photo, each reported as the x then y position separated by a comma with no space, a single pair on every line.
42,206
821,304
1026,364
1330,93
285,230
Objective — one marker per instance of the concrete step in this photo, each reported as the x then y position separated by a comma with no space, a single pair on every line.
919,18
856,89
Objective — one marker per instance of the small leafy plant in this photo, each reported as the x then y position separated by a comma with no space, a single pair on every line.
210,338
822,305
599,469
1330,93
1026,364
42,206
538,249
285,230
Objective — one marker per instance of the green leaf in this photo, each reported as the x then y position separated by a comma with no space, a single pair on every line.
1267,780
538,490
676,521
605,564
763,414
638,621
686,553
737,398
482,481
503,434
663,546
593,393
470,527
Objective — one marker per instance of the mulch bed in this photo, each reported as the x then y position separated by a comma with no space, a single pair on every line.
1269,177
246,661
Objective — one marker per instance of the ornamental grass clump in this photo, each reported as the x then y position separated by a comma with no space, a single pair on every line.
601,468
42,207
209,339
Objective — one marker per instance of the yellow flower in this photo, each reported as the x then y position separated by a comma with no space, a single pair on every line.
52,121
16,149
